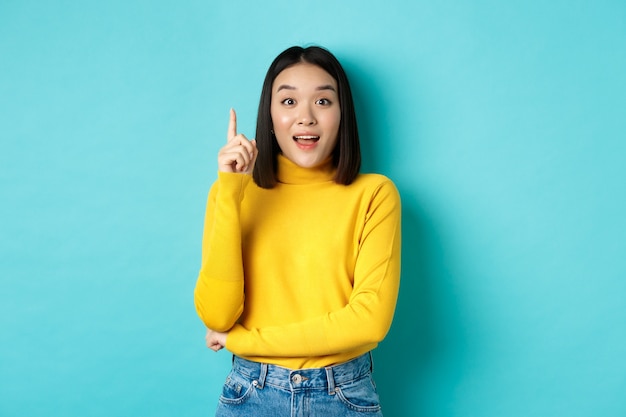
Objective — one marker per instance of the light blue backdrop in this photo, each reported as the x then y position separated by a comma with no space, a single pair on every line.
502,123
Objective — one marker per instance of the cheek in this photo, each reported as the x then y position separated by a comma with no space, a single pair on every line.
334,120
280,120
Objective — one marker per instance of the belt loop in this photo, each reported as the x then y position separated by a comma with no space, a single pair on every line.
371,362
331,380
262,375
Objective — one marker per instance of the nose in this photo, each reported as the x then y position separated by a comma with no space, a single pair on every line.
306,116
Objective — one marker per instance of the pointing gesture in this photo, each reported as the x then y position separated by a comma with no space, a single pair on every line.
239,153
232,125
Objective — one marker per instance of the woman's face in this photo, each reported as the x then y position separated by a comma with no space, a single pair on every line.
305,114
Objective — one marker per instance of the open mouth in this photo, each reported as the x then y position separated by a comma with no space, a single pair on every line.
306,139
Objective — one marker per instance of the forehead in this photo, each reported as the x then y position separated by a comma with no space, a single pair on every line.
303,76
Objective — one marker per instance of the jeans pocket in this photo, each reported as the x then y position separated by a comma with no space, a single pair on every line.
360,395
237,389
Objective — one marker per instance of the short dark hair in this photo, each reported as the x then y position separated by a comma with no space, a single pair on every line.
346,156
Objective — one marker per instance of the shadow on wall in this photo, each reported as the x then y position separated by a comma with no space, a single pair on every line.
413,347
367,95
402,360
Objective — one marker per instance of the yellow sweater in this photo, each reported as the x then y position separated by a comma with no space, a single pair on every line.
303,275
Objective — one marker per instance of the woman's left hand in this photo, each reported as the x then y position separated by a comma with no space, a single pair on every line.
215,340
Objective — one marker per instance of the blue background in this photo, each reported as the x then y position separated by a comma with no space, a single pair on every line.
502,123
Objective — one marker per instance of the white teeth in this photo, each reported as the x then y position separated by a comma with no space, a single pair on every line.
306,137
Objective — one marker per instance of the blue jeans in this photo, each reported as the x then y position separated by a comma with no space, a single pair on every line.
262,390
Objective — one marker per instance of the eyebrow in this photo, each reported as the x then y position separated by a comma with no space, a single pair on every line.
320,88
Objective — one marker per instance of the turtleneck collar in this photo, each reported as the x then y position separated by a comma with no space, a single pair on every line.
290,173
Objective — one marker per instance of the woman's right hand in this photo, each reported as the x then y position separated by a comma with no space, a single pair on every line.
215,340
239,153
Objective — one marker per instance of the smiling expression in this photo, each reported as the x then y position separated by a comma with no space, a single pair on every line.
305,114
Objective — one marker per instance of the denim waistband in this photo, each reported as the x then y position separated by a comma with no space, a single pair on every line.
311,378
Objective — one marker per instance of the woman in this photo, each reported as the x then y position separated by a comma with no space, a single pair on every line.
301,253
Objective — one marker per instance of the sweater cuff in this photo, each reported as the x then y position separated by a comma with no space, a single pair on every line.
291,340
235,337
233,179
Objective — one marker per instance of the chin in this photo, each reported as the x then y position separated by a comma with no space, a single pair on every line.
309,161
306,163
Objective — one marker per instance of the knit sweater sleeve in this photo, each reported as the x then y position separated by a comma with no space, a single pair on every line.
219,291
366,318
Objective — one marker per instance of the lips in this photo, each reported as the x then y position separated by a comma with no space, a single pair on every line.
306,139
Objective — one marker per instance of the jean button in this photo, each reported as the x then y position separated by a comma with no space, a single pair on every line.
296,379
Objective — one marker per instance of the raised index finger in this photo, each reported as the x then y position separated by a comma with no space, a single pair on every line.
232,125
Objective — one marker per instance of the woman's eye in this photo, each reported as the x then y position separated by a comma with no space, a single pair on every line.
323,101
289,101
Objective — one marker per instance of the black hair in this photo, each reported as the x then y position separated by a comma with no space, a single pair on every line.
346,156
